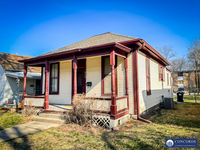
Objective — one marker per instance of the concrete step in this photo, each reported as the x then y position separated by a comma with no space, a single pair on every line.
48,120
53,116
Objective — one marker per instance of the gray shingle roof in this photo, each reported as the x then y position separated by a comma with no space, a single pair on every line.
94,41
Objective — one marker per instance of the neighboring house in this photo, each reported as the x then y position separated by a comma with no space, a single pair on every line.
124,73
185,80
10,70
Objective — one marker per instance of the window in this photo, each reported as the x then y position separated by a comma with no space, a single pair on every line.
106,83
54,78
106,76
161,73
180,82
167,78
148,79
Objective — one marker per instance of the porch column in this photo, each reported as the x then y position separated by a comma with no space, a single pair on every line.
126,74
46,97
24,87
75,74
113,107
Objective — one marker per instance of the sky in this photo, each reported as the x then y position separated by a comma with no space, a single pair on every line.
34,27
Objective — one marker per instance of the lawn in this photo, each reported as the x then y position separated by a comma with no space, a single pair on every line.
8,119
181,122
190,98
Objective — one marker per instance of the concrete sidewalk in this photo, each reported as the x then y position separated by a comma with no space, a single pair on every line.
24,129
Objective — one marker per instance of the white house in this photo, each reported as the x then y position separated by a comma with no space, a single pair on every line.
10,70
125,73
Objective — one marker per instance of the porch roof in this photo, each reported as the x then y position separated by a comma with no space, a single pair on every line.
21,74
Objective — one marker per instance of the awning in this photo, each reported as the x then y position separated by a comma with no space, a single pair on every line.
21,74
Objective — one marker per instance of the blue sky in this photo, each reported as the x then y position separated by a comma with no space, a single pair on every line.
33,27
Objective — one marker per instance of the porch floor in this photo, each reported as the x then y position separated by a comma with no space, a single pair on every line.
55,107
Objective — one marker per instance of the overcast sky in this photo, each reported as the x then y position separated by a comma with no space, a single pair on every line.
34,27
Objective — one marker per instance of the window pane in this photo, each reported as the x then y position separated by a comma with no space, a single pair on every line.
148,85
54,82
52,71
147,67
107,67
107,75
56,70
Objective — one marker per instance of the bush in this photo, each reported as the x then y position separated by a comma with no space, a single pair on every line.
83,112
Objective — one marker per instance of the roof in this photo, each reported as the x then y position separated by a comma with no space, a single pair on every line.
10,62
94,41
21,74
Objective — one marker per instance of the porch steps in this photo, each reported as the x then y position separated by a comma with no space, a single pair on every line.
50,118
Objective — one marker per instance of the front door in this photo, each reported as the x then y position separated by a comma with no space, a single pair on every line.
80,81
38,87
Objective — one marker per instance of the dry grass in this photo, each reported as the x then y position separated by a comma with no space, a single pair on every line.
180,123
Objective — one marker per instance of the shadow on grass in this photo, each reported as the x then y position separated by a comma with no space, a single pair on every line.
23,143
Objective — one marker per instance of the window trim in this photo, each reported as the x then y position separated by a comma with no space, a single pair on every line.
168,79
50,82
102,76
163,73
148,76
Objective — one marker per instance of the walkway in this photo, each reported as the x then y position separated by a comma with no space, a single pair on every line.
24,129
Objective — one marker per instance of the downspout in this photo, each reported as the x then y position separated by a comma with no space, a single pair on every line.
137,83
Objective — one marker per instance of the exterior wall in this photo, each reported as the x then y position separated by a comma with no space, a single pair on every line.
130,83
39,102
65,85
121,120
158,88
2,86
93,74
10,92
121,104
121,77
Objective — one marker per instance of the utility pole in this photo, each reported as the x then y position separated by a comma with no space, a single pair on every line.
197,75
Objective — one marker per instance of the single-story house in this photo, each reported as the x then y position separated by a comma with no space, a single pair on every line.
10,70
124,73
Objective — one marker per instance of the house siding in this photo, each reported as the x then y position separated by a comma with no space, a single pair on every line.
158,88
130,83
2,81
121,78
93,74
65,85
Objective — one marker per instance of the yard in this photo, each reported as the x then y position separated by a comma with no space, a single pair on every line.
183,122
190,98
8,119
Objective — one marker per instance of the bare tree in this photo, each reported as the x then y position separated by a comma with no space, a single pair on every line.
179,64
167,52
194,49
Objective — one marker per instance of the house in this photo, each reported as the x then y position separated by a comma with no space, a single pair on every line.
10,70
124,73
185,80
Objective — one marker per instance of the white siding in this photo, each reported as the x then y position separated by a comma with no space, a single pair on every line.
130,83
93,74
158,88
2,85
121,78
65,84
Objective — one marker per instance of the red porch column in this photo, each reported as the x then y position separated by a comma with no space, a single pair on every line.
113,107
24,87
46,97
75,74
126,74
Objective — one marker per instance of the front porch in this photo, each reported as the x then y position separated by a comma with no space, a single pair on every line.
99,72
